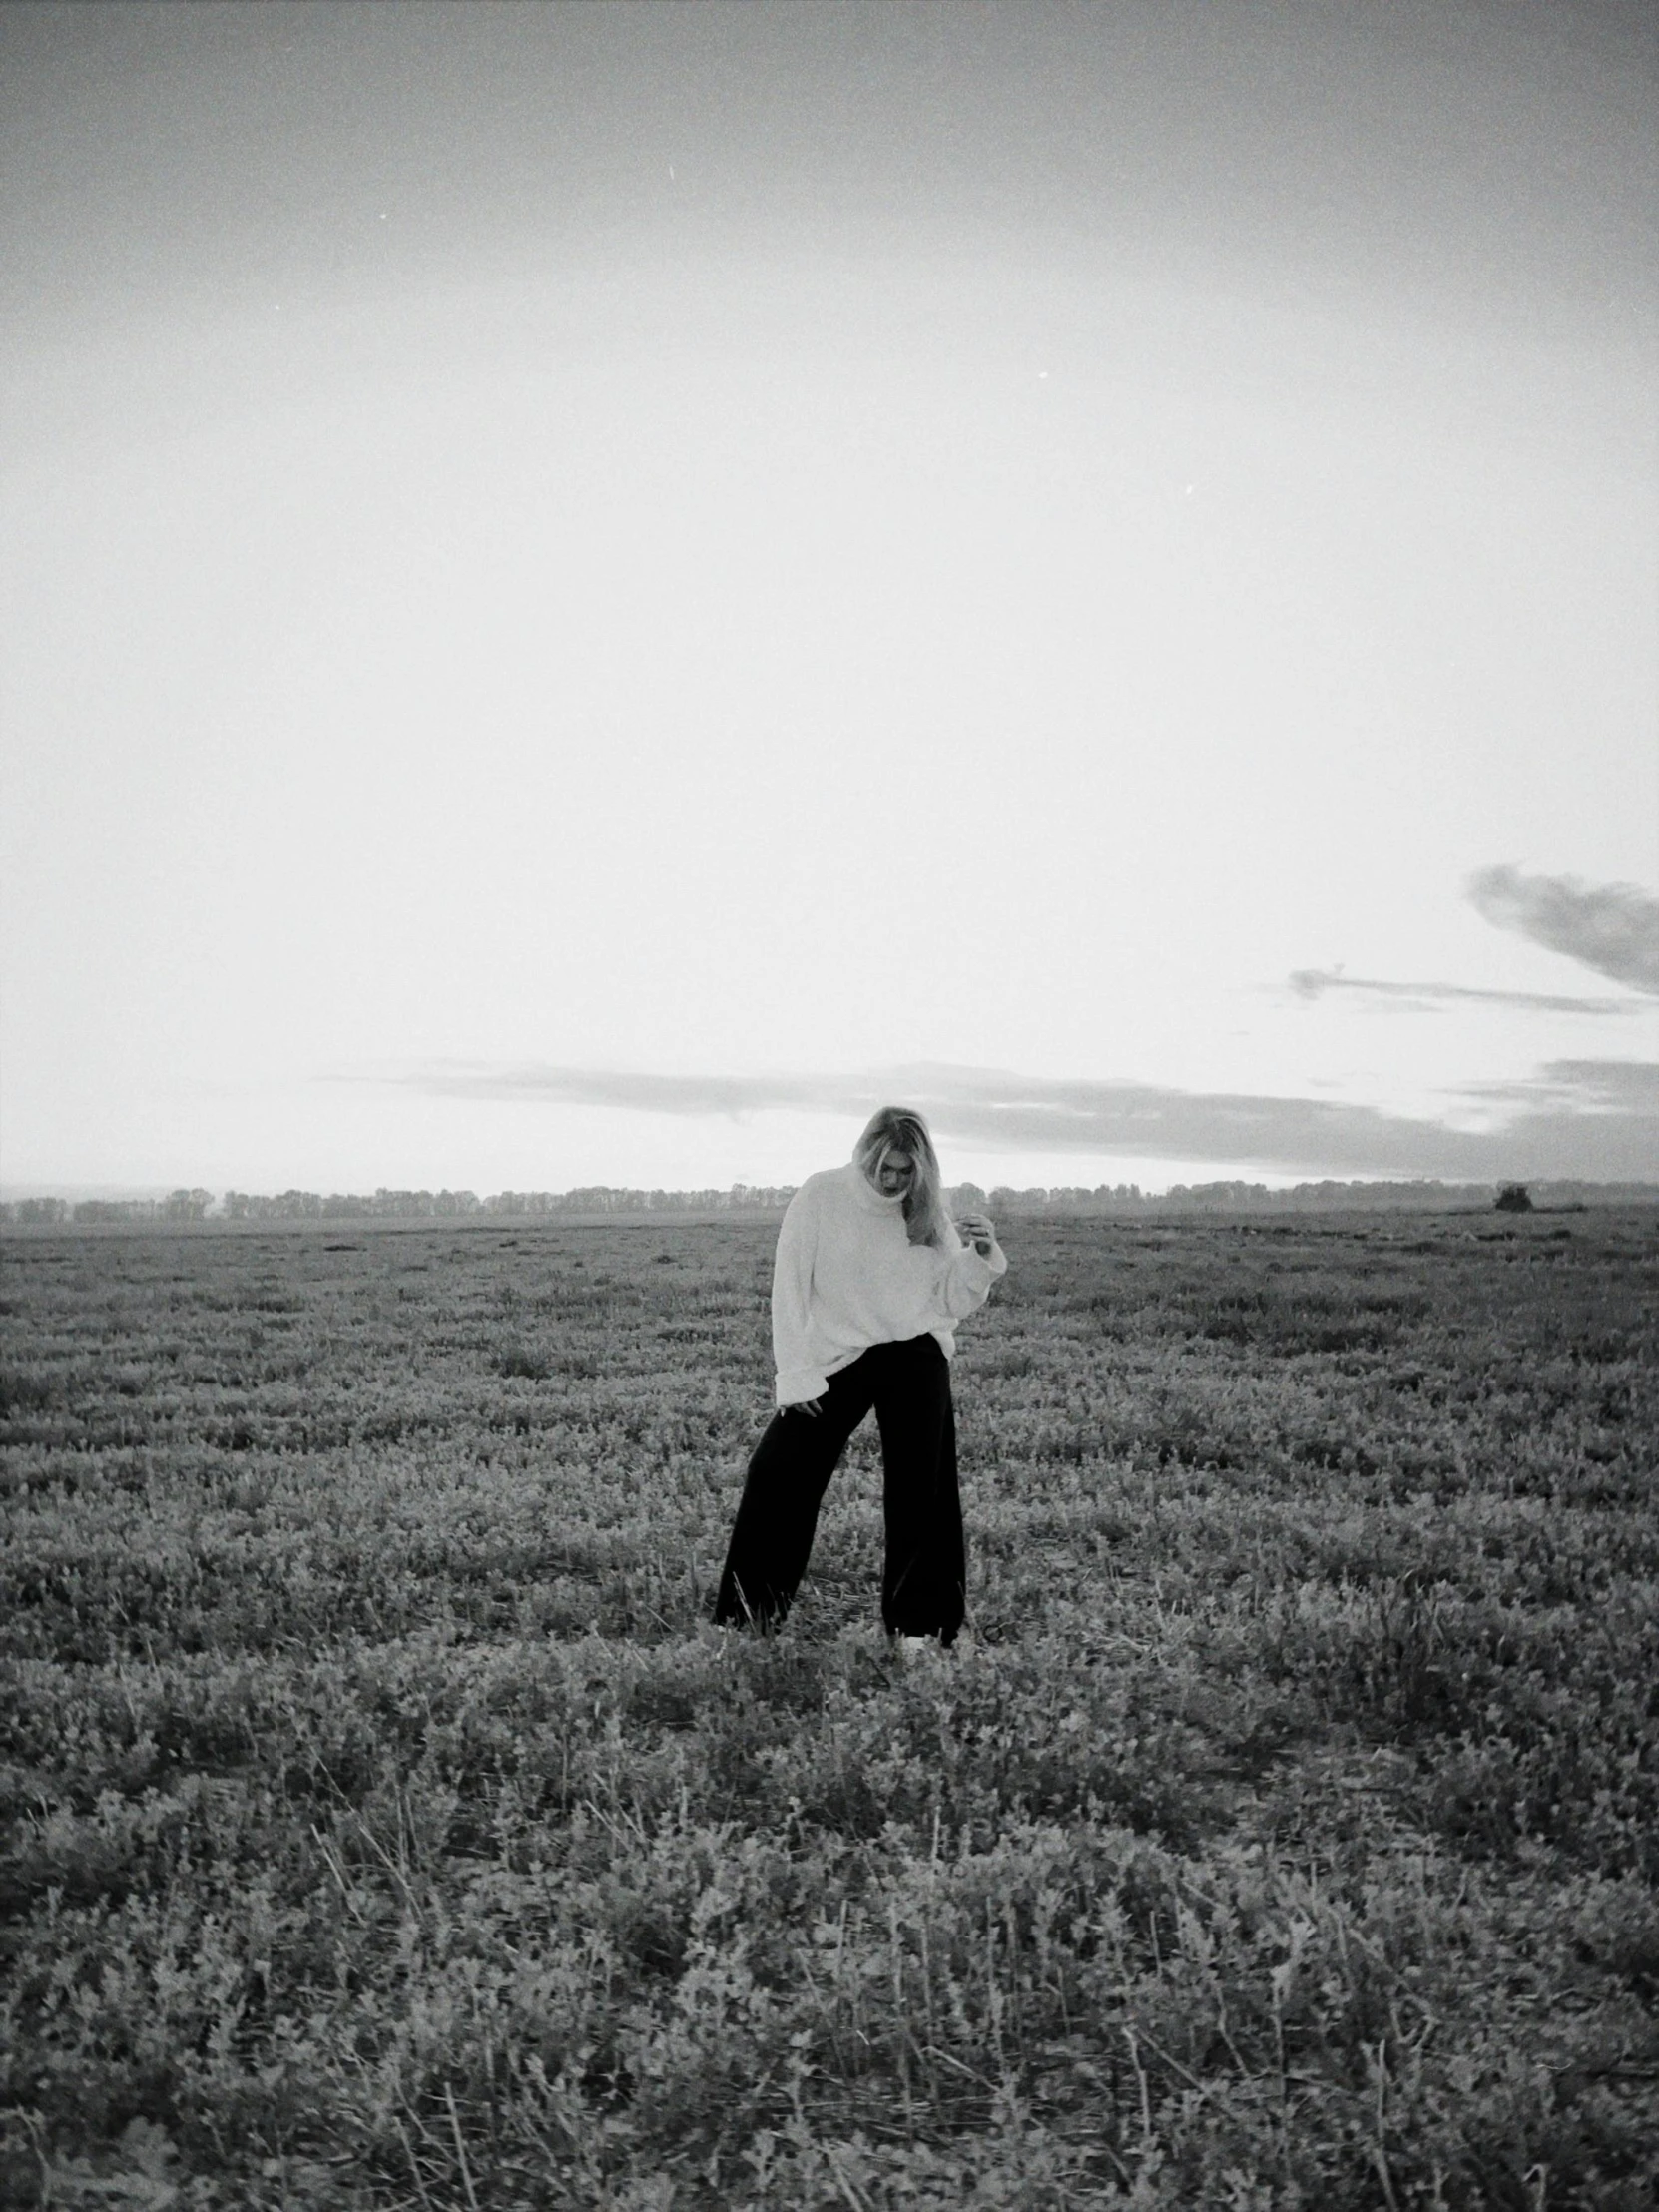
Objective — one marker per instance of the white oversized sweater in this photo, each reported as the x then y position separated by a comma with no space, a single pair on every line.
847,1276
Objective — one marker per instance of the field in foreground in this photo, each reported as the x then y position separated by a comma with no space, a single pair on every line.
384,1826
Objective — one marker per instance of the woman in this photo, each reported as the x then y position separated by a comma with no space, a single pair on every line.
870,1280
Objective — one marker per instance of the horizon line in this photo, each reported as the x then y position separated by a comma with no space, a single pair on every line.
773,1193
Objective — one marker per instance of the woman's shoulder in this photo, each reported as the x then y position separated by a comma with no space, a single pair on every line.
823,1183
841,1191
824,1179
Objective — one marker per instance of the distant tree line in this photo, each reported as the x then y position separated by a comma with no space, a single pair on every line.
177,1206
385,1205
183,1207
1420,1196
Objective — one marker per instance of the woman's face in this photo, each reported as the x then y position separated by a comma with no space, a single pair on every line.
894,1174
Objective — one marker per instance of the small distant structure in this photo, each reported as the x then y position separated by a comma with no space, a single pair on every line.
1515,1197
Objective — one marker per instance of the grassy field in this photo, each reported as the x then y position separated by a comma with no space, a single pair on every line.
385,1826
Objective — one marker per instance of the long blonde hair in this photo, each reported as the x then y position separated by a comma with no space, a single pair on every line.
900,1129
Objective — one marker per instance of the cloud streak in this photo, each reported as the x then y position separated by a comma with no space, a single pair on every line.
1595,1119
1611,927
1424,997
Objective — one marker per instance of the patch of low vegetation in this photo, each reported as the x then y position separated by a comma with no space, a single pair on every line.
385,1826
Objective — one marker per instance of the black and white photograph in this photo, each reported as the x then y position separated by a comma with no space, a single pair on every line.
829,1105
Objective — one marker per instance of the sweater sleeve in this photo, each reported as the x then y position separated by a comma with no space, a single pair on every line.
966,1277
799,1379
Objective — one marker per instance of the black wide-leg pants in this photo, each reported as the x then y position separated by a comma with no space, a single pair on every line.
924,1581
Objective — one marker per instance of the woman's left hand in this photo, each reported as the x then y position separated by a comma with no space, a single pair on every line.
975,1229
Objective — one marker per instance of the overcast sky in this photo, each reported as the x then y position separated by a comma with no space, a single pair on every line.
590,592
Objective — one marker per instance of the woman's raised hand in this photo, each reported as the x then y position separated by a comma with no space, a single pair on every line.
975,1229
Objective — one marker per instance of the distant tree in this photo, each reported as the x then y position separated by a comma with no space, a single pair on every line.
1515,1199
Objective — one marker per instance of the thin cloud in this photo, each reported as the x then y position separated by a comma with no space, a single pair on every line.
639,1093
1595,1119
1611,927
1315,982
1587,1086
